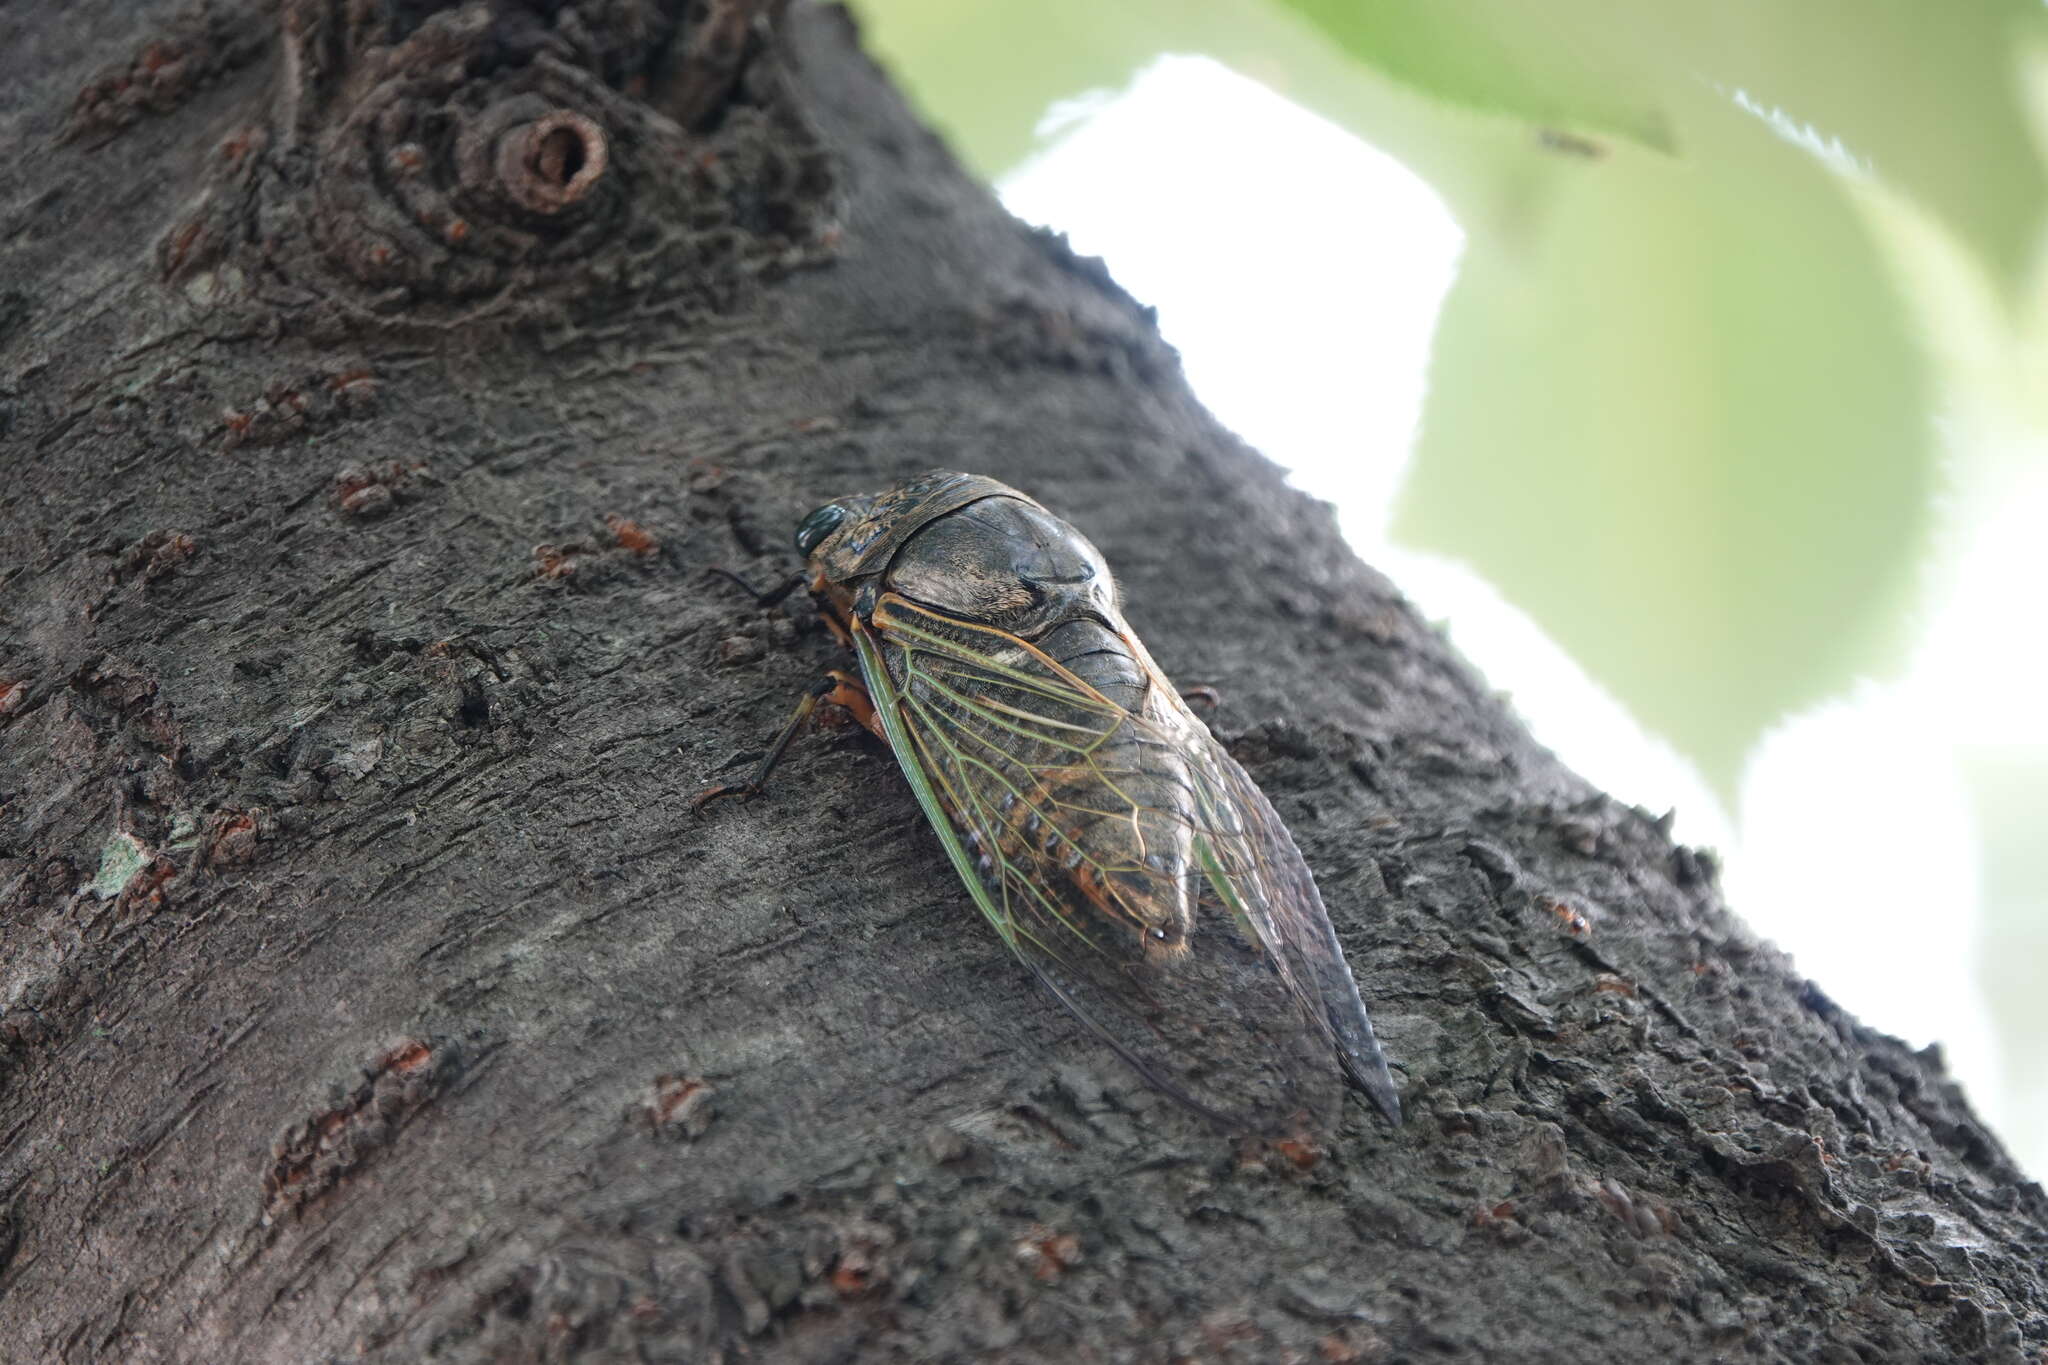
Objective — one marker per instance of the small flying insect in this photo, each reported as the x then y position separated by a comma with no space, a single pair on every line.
1110,841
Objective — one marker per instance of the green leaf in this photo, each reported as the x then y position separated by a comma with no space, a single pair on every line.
1532,62
1682,424
1926,96
1678,409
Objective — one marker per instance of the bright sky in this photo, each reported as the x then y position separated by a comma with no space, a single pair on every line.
1302,292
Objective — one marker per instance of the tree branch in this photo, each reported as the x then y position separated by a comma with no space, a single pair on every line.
366,987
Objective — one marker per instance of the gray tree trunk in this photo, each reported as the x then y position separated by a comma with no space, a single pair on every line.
378,383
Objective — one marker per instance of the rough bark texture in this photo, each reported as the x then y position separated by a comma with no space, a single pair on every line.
368,988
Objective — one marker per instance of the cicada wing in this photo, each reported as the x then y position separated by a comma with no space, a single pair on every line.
1039,787
1254,867
1216,1031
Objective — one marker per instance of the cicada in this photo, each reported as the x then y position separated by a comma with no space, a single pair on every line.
1116,848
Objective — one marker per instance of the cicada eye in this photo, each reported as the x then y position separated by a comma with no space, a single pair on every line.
812,530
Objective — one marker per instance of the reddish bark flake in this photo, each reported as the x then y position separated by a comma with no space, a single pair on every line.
181,244
407,1056
369,491
1049,1254
1571,920
1348,1345
631,535
317,1153
1495,1215
553,561
679,1106
355,381
237,145
231,839
145,890
1302,1153
853,1274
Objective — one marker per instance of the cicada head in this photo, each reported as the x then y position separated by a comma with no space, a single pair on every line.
817,528
854,537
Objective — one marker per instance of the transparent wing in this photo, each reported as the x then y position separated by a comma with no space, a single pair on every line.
1253,866
1131,863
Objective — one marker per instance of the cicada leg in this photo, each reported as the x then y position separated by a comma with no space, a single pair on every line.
849,692
839,688
762,599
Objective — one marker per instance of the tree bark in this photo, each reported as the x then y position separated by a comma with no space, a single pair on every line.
378,385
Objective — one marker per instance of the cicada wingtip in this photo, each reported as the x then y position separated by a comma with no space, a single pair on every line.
1388,1101
1371,1075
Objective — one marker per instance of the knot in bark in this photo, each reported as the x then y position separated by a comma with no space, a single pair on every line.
532,162
552,162
529,159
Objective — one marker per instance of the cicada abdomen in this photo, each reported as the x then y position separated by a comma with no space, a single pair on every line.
1115,847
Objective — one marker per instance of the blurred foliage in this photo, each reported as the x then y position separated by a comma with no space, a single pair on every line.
1677,418
1531,67
1681,398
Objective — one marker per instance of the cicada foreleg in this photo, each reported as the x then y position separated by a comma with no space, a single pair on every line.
764,600
838,688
